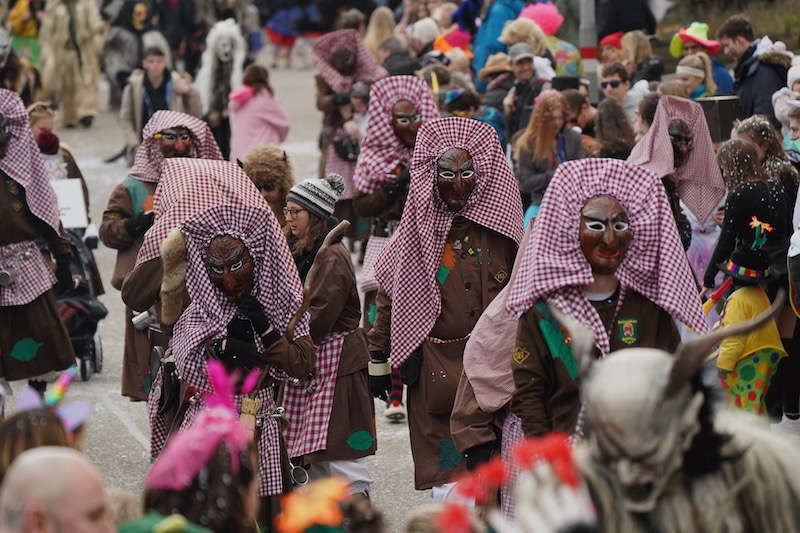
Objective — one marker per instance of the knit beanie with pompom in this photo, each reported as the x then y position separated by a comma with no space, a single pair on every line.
318,196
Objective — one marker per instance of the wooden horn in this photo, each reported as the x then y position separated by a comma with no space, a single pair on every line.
691,354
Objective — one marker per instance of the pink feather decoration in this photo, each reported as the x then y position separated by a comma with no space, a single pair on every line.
251,381
190,450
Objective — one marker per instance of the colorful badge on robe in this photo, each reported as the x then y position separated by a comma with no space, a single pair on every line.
520,355
628,330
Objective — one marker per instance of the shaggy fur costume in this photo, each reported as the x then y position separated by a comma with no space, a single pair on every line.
20,76
71,60
756,489
271,164
174,298
210,63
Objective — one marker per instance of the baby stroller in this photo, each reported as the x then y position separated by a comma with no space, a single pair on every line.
80,310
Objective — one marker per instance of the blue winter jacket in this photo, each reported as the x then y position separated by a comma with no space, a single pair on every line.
486,42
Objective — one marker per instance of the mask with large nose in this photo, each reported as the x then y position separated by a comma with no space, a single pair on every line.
455,178
175,142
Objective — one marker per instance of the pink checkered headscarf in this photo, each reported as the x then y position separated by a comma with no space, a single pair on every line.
699,180
148,163
276,282
554,268
381,150
190,186
406,268
23,162
366,66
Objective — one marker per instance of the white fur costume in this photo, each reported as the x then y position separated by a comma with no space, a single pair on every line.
224,29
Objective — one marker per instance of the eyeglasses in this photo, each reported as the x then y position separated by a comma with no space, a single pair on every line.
291,213
613,83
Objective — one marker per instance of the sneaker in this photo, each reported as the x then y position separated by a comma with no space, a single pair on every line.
395,412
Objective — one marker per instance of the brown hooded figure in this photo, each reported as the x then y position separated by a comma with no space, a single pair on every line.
270,169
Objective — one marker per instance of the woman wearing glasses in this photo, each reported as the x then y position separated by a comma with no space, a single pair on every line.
330,417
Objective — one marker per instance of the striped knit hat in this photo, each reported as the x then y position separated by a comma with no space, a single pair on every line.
317,195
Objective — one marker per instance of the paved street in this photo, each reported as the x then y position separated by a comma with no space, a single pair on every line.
118,436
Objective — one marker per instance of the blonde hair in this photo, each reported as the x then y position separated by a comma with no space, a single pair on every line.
524,31
39,110
443,15
703,62
459,60
381,27
673,88
636,46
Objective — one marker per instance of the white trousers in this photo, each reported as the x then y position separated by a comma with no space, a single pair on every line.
353,470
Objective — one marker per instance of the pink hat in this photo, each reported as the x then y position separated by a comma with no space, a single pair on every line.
545,15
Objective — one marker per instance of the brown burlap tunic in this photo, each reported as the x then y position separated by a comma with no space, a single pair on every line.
546,398
136,357
37,321
335,308
471,284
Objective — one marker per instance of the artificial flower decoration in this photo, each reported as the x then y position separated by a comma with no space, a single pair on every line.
553,448
454,519
317,504
73,415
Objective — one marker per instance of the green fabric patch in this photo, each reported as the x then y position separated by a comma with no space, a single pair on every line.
448,455
554,338
25,349
360,440
138,192
442,273
747,372
372,314
147,383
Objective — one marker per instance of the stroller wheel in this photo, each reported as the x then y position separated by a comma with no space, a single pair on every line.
86,369
98,353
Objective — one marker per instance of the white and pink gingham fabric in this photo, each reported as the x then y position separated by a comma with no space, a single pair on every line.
366,278
277,287
366,66
554,268
699,180
381,150
190,186
511,435
406,268
23,162
147,165
308,414
34,274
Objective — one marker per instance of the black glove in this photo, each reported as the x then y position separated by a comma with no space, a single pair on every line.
250,307
239,354
341,99
64,280
136,226
477,455
398,185
380,375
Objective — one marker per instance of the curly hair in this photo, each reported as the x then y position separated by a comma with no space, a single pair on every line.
216,496
539,138
525,31
738,161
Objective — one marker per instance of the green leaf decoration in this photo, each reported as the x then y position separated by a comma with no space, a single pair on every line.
360,440
147,383
442,273
448,455
25,349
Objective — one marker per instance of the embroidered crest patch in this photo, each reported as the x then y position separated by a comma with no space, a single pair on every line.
520,355
628,330
501,276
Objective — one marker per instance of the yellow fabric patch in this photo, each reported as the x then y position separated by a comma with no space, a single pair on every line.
520,355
